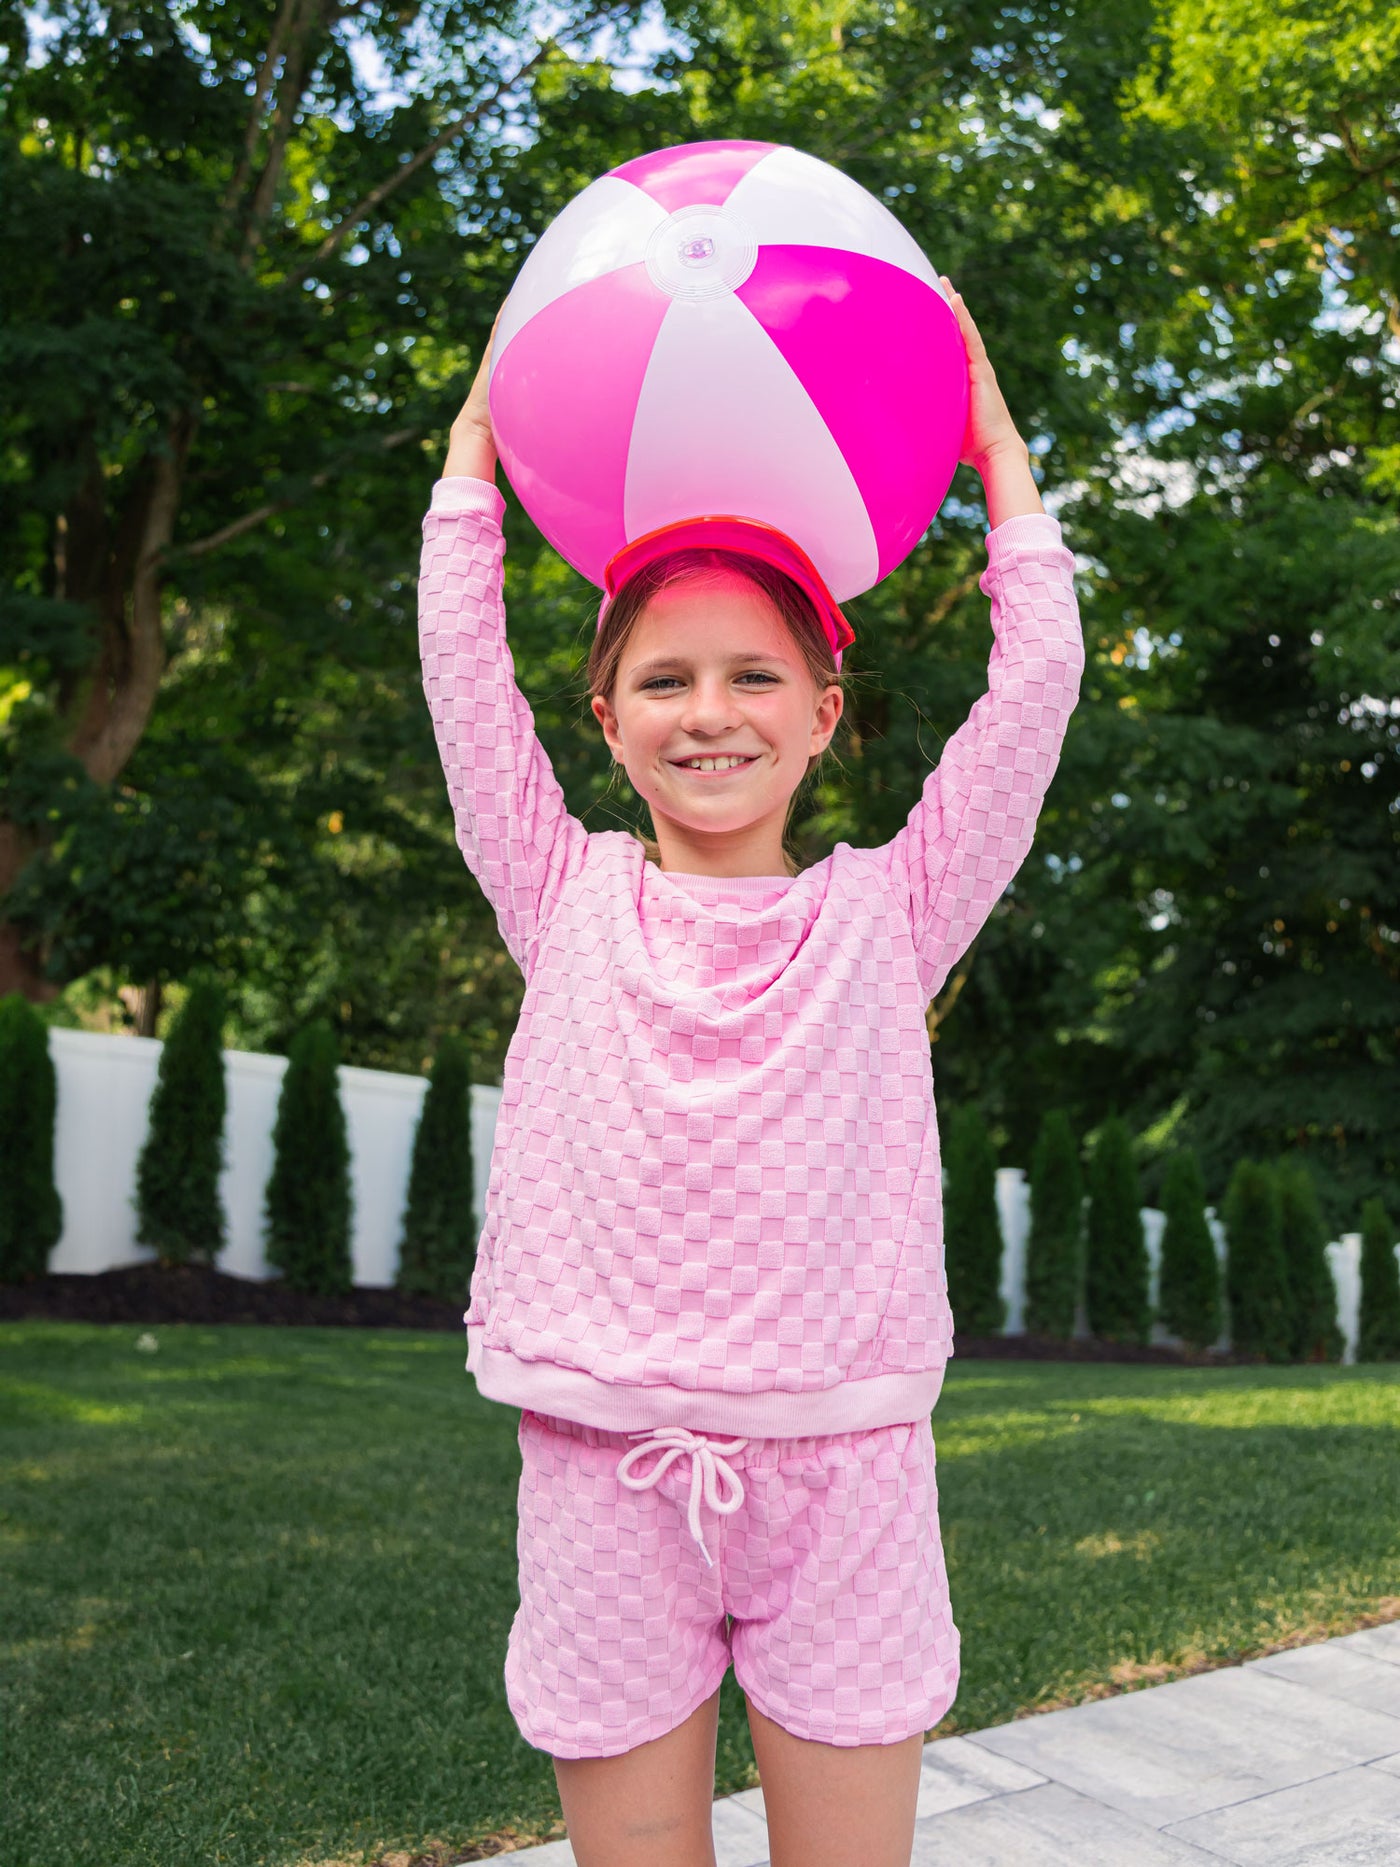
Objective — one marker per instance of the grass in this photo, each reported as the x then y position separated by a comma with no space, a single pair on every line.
257,1583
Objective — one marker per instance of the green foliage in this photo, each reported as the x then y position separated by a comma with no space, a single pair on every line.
1378,1331
1055,1247
1256,1271
1116,1267
1188,1295
308,1200
1190,332
31,1211
177,1171
438,1249
972,1242
1312,1288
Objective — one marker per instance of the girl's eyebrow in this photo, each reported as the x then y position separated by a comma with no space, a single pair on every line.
679,661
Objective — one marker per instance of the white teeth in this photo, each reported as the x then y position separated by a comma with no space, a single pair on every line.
713,764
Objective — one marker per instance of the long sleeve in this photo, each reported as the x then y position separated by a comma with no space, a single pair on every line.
974,823
512,824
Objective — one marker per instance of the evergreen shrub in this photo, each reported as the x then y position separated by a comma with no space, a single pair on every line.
1312,1291
177,1173
1256,1272
31,1211
1188,1295
972,1241
438,1249
1115,1267
308,1199
1054,1248
1378,1333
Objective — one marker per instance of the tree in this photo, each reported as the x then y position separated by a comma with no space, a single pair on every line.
1256,1272
972,1242
308,1200
177,1171
1312,1289
31,1210
1183,257
1189,1285
1054,1249
1116,1268
1378,1330
236,303
439,1233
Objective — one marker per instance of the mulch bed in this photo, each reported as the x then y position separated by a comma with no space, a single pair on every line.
148,1294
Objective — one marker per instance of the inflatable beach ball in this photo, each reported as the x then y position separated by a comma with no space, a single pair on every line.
738,330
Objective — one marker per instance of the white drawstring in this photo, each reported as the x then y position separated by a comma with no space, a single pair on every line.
708,1468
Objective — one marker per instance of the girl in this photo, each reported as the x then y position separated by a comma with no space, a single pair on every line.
711,1273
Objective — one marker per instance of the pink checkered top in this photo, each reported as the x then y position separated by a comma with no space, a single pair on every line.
715,1197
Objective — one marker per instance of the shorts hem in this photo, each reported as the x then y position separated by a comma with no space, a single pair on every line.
576,1754
795,1726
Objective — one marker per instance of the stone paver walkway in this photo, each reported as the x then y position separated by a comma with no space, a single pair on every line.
1291,1761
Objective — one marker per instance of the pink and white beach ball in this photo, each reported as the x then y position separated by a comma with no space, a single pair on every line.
730,329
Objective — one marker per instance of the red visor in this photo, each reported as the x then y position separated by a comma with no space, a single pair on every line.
746,536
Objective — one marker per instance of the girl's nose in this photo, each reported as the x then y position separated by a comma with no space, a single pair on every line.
710,707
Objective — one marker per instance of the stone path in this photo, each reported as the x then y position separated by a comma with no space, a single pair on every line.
1291,1761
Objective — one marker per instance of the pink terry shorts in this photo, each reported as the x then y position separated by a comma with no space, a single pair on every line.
649,1560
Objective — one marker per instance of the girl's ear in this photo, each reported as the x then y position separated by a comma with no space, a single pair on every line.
607,719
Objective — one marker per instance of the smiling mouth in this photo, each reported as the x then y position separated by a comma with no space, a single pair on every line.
717,766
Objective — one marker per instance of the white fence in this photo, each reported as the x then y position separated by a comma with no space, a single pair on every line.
104,1089
1014,1211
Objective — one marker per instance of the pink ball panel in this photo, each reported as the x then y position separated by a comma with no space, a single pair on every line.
693,172
837,318
568,386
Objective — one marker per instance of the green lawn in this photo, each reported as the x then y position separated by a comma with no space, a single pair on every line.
257,1584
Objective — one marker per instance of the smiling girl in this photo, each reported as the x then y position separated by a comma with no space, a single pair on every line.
711,1272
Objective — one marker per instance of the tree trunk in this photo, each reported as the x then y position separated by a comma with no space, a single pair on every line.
20,971
119,572
143,1002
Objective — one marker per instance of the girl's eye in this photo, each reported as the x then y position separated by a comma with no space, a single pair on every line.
661,680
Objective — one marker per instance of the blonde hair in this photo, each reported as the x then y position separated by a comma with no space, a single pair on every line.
704,563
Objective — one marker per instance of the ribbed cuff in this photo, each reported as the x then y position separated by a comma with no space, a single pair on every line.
459,494
1031,528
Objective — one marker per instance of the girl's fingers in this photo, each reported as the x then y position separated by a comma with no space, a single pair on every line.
967,324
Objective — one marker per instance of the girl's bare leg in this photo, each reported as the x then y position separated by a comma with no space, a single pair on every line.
650,1807
835,1806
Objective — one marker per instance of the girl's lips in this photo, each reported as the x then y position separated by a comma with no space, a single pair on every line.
727,772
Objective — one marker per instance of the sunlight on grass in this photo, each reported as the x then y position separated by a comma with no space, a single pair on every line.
51,1403
1108,1543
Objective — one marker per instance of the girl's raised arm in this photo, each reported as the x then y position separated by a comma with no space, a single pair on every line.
511,820
975,820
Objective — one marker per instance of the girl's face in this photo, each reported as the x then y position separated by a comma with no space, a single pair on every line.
711,672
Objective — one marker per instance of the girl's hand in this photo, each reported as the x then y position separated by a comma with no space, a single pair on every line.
989,423
991,442
471,448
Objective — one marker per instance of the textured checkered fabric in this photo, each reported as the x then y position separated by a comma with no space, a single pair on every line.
715,1195
832,1569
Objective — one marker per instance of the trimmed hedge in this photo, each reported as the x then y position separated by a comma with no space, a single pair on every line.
1188,1292
177,1173
1378,1332
308,1199
1261,1321
1116,1269
438,1251
1312,1293
31,1211
972,1241
1055,1245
